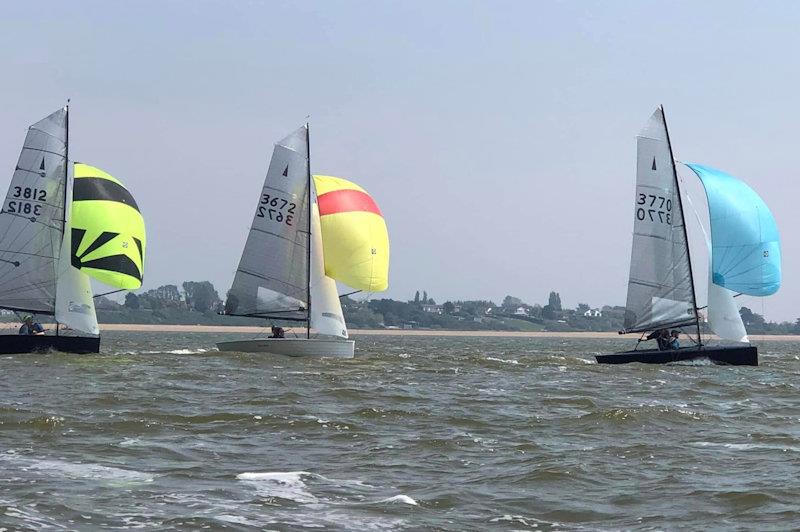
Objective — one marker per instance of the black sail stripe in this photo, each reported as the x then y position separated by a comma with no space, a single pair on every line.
97,188
115,263
139,246
77,238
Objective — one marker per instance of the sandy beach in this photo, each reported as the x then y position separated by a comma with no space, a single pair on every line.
141,327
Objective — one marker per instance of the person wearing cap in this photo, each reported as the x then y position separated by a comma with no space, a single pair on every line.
30,327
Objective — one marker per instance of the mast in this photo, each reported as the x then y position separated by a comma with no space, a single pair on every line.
64,204
308,246
683,220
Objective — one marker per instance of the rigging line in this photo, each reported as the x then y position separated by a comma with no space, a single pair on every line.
51,261
42,150
34,128
350,293
39,251
257,229
109,293
273,279
25,273
22,228
31,219
29,286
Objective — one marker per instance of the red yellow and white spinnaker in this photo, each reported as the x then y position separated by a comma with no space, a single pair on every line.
355,240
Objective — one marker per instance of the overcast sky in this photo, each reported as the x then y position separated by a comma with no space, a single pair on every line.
498,138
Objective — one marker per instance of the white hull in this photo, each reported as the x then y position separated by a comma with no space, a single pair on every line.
293,347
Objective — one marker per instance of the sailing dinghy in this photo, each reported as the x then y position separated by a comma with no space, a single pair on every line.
56,232
745,257
307,232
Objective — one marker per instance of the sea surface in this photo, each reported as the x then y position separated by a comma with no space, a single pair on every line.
160,431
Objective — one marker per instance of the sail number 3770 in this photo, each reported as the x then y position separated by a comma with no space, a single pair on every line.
276,209
654,208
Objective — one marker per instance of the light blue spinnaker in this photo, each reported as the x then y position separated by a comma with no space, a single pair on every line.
745,245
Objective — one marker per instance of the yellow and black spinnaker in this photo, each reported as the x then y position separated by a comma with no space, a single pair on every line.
108,235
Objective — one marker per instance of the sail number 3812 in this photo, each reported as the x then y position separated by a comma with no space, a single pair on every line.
276,209
654,208
26,195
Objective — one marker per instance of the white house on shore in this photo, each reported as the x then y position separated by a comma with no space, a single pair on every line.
433,309
593,313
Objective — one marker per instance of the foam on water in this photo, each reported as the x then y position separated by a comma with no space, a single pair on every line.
72,470
284,485
403,499
503,360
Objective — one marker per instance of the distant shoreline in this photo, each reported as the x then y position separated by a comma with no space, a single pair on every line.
142,327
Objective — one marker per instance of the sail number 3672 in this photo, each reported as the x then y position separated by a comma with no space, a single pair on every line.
654,208
276,209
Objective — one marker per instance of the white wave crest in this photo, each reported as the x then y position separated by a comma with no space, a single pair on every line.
74,470
404,499
284,485
503,360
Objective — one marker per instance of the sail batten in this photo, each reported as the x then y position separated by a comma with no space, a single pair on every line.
660,286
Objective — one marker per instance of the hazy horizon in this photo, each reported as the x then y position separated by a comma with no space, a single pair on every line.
497,138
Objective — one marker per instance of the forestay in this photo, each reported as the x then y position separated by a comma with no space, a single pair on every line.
660,291
272,277
745,244
32,219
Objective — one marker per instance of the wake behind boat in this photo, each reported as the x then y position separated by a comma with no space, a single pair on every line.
744,249
306,232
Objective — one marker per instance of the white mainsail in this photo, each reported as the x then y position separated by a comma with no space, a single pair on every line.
31,220
660,291
272,277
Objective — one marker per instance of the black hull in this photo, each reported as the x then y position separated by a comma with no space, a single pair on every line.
15,343
724,355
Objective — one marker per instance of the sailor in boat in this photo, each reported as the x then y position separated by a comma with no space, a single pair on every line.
674,343
30,327
277,332
661,337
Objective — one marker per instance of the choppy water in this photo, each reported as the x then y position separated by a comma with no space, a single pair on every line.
160,431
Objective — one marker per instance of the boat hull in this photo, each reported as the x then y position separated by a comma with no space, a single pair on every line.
17,343
724,355
293,347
